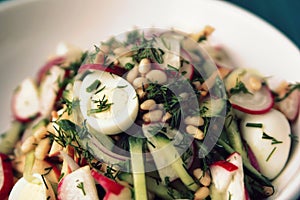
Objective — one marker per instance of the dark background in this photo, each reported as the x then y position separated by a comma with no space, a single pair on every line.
282,14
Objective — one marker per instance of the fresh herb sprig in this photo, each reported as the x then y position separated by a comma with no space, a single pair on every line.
239,88
145,49
102,105
292,87
81,187
268,137
94,86
67,135
173,103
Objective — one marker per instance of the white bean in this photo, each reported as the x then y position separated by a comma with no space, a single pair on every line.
184,95
132,74
166,117
194,120
141,93
196,132
144,66
201,193
153,116
29,144
40,133
254,84
157,76
42,149
139,82
203,177
148,104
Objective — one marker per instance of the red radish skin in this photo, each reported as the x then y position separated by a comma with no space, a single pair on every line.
226,165
290,106
69,188
115,69
49,88
236,187
113,189
61,90
222,173
252,157
17,117
247,197
255,108
45,68
6,176
109,185
20,96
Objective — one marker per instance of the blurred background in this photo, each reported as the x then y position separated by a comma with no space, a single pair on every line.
282,14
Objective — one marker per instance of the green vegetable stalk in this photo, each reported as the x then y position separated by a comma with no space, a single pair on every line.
236,144
137,165
165,148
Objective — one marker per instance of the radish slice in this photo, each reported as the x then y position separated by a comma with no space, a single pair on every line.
236,188
51,63
113,189
115,69
259,102
228,179
222,173
290,105
252,157
78,185
49,89
25,102
6,176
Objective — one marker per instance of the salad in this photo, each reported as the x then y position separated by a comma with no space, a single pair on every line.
148,114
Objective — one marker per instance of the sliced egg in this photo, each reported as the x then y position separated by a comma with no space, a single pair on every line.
268,137
39,189
108,103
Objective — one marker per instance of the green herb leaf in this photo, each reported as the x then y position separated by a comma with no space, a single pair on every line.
271,153
81,186
128,66
292,87
294,137
254,125
102,106
122,86
268,137
239,88
93,86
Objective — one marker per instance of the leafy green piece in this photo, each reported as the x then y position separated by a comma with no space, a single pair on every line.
94,86
292,87
254,125
239,88
102,105
268,137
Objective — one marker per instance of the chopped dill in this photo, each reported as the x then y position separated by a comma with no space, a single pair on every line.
268,137
102,105
81,187
239,88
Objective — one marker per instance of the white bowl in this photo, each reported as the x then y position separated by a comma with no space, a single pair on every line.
30,31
